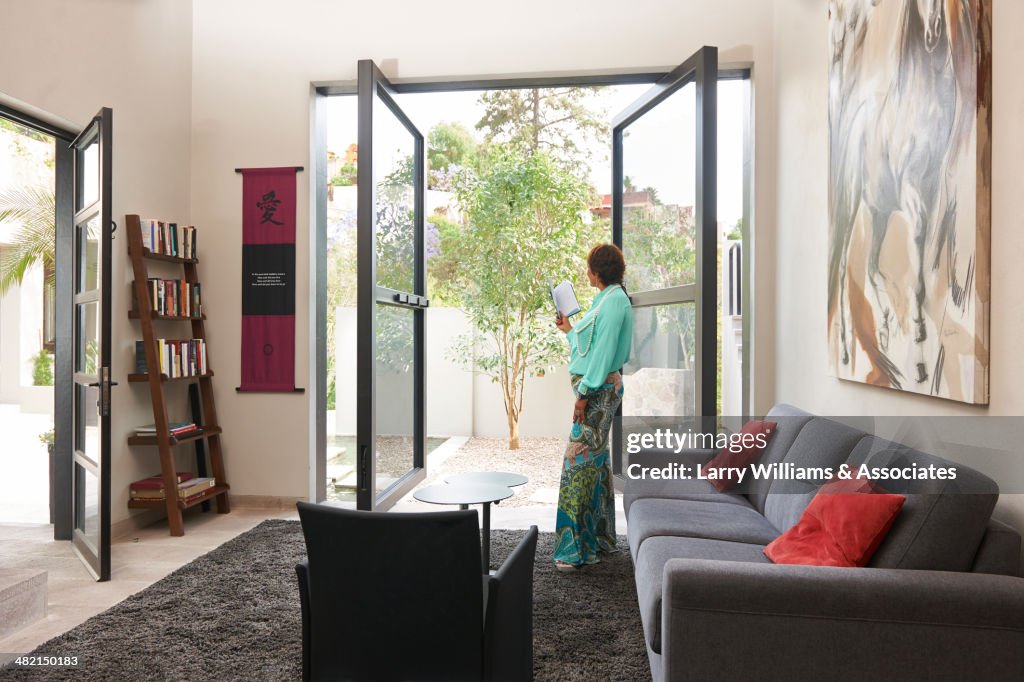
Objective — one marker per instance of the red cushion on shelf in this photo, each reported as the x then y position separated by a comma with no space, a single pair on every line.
842,526
726,461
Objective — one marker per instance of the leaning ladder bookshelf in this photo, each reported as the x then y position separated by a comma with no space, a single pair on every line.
209,428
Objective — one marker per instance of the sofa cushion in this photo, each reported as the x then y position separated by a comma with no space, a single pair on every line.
942,522
753,439
689,518
790,420
650,564
672,489
999,552
687,489
823,444
842,526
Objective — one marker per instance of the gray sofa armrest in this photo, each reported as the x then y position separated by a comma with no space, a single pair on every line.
733,620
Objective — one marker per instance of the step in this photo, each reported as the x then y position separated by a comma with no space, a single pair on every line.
22,598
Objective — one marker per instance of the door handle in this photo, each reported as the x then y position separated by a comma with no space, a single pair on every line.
364,468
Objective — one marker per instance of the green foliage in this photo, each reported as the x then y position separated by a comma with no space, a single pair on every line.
33,209
347,175
736,233
42,369
557,121
451,144
524,228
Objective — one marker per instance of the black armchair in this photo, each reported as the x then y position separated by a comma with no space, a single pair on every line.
392,596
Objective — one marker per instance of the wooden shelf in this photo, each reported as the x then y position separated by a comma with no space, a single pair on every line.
146,253
134,315
208,494
205,432
141,378
201,400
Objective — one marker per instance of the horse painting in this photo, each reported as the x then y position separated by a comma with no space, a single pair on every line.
909,195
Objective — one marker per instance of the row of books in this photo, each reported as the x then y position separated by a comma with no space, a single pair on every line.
176,429
168,239
178,358
173,297
152,488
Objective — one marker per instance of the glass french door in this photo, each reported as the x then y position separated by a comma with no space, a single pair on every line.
664,217
90,343
391,297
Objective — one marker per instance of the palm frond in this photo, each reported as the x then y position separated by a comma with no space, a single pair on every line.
34,210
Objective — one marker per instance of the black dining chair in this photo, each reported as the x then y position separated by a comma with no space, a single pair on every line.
399,596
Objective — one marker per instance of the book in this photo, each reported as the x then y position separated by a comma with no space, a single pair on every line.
564,297
175,429
156,481
186,490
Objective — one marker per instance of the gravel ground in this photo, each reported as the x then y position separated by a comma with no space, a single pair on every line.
539,459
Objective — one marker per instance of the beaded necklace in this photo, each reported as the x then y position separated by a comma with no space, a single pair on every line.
589,324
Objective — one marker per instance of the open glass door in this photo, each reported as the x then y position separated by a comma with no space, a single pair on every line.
391,301
664,173
90,342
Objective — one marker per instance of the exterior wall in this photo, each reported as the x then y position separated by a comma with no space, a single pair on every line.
21,325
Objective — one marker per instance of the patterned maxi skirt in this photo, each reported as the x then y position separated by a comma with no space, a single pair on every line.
585,524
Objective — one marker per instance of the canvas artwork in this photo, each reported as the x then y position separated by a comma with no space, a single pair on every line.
909,195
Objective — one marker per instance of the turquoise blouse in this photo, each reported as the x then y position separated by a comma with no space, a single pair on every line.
599,343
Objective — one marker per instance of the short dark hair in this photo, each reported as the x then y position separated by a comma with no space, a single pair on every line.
606,261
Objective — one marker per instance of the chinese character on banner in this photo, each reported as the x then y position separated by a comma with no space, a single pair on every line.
268,204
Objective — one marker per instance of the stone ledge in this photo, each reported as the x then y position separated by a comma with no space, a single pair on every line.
22,599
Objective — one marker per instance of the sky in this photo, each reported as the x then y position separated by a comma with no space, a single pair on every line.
658,149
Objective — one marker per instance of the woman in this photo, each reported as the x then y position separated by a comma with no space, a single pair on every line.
599,346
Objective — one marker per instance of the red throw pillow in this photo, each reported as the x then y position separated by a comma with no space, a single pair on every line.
842,526
725,462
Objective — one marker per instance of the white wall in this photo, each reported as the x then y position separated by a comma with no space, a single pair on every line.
69,58
802,369
253,61
449,385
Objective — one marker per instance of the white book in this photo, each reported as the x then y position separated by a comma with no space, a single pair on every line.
564,298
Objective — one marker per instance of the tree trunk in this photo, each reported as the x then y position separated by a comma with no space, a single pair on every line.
513,432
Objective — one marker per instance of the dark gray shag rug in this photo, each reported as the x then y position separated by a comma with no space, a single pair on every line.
233,614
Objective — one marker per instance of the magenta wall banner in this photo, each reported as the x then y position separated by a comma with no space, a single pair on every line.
268,279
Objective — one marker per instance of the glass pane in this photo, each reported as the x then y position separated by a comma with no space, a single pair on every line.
395,399
659,194
88,174
87,340
87,422
88,246
659,377
394,154
87,507
342,167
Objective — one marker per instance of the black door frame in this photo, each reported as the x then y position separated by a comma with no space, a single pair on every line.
320,91
700,69
63,254
96,559
374,87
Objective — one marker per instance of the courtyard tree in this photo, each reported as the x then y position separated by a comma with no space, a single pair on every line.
563,122
523,227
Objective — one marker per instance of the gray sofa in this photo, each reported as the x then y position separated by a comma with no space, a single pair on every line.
942,598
